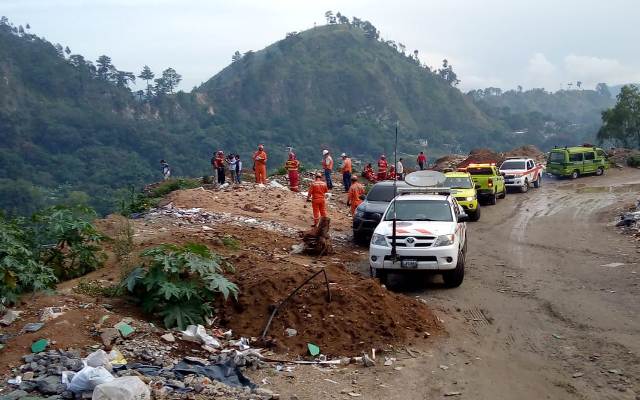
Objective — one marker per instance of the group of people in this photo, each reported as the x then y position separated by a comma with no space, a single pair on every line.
322,182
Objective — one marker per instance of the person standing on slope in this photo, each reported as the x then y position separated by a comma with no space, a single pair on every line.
260,165
317,191
422,160
231,162
327,166
166,170
356,191
382,168
219,163
346,170
238,169
400,170
292,166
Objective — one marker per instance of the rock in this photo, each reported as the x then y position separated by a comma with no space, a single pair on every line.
367,362
108,336
27,376
16,394
168,337
33,326
73,364
577,375
29,386
125,329
50,385
290,332
253,208
9,317
266,393
449,394
124,388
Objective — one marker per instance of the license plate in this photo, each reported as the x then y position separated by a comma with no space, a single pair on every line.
409,263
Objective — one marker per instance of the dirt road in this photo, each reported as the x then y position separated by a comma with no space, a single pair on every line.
541,314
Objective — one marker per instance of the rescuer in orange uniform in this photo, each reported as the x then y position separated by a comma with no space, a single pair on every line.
260,165
382,168
292,165
346,170
316,196
356,190
369,174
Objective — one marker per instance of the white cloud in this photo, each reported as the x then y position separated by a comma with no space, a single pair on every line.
540,72
591,70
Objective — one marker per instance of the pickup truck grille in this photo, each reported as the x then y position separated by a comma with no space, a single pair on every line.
412,241
417,258
509,177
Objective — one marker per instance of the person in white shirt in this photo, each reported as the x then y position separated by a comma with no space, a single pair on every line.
400,170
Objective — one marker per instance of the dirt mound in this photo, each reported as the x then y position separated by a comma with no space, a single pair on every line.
619,155
361,315
481,156
448,161
529,151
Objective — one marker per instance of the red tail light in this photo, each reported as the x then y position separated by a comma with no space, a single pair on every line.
490,182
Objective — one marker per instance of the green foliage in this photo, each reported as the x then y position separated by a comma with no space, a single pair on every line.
68,241
231,242
20,268
171,185
621,124
179,283
633,161
97,289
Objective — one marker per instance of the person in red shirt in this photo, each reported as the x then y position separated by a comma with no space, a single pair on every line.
219,164
356,191
316,196
260,165
292,166
382,168
422,160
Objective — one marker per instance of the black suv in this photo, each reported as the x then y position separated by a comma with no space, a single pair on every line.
369,213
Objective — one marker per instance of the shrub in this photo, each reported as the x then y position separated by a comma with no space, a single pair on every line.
20,270
171,185
231,242
634,161
179,283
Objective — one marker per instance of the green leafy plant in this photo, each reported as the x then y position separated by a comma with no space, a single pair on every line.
179,283
231,242
20,269
66,240
171,185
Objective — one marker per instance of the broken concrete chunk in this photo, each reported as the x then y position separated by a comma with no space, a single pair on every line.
108,336
168,337
9,317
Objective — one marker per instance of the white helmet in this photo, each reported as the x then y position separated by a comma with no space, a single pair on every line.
343,155
325,152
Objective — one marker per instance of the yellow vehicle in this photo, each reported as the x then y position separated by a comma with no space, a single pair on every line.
464,190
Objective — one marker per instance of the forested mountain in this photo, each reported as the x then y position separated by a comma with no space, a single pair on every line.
547,118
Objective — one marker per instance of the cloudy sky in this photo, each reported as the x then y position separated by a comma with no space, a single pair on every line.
504,43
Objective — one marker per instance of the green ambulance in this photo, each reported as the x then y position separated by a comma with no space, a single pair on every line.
576,161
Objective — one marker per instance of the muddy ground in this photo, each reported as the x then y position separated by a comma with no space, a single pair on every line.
539,316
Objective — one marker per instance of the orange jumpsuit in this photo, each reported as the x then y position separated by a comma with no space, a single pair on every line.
317,191
355,191
382,169
260,166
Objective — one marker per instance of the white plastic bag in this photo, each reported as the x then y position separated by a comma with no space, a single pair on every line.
123,388
98,358
88,378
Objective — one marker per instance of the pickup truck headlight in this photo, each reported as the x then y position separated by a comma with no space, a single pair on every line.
379,240
444,240
470,198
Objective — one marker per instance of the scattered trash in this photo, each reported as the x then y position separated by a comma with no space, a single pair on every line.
124,328
50,313
388,361
98,358
122,388
88,378
577,375
354,394
297,248
15,381
443,367
556,336
9,317
313,349
39,345
33,326
449,394
290,332
367,362
242,343
198,334
168,337
613,265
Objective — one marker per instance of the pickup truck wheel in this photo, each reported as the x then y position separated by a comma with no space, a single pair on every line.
575,174
493,199
475,216
504,193
525,188
599,171
538,182
455,277
360,238
380,274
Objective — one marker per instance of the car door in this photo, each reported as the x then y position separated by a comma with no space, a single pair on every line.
589,162
575,162
530,173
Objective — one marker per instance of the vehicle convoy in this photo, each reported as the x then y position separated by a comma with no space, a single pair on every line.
521,173
488,180
575,161
369,213
430,235
464,190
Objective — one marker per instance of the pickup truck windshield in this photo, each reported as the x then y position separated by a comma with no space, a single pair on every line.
458,182
480,171
420,210
513,165
381,193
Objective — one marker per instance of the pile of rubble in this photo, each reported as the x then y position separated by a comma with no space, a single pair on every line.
630,220
481,155
619,156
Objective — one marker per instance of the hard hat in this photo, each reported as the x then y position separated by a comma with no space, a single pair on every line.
325,152
383,156
343,155
318,175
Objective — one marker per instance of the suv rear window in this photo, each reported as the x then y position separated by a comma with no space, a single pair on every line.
575,157
512,165
556,156
381,193
480,171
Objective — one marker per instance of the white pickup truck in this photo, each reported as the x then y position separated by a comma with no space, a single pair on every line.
521,173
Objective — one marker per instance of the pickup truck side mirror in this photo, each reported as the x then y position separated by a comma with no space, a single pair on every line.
463,217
